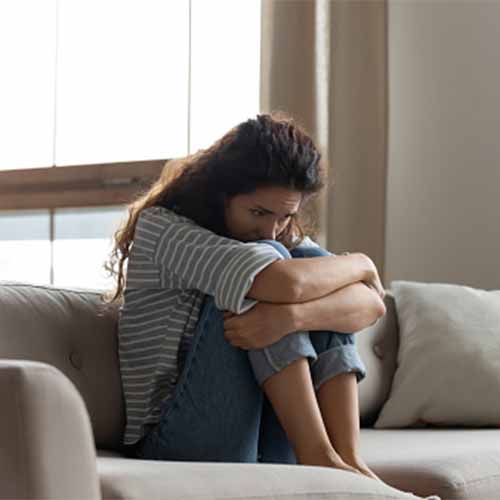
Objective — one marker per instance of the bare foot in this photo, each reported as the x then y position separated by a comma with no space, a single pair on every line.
325,458
358,463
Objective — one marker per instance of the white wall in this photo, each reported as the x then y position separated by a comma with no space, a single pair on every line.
443,191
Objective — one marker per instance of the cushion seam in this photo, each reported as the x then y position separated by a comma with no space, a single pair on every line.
472,482
53,288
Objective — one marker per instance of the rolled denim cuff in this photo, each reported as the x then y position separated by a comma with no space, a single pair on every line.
272,359
339,359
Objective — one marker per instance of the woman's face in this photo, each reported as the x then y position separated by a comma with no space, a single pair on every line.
261,215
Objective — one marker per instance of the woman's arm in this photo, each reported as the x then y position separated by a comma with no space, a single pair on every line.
350,309
347,310
306,279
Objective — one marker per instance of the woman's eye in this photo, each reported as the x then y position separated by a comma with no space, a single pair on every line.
259,213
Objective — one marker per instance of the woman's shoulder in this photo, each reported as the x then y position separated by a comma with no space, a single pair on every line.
162,213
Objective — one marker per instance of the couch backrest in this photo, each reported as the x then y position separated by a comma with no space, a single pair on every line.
66,328
378,347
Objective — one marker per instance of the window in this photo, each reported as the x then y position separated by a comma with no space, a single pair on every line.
25,252
108,90
82,240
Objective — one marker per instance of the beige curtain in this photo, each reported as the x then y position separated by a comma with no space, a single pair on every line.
325,63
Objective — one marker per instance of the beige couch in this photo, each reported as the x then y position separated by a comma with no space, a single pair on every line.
62,416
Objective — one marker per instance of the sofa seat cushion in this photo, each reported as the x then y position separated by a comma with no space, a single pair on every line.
128,478
458,462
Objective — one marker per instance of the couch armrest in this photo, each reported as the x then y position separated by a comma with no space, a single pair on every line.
47,447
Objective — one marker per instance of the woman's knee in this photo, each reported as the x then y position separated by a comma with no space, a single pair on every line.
282,249
310,252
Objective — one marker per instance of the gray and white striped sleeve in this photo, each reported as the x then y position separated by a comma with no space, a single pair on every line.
222,267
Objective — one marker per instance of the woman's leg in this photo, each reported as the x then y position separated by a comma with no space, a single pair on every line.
282,370
215,411
336,373
291,394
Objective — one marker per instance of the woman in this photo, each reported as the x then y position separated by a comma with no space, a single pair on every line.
235,338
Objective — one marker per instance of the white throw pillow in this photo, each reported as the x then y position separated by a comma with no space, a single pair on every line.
448,364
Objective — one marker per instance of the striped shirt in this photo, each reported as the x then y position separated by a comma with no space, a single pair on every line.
172,265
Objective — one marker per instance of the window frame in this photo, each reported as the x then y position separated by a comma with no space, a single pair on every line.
77,186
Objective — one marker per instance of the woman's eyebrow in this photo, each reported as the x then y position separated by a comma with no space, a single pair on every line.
271,212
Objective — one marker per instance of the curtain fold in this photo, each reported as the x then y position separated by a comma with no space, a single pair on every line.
325,63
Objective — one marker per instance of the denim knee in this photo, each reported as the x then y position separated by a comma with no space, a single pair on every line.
329,353
282,249
310,252
337,352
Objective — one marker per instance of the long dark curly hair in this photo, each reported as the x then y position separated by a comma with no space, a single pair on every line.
271,150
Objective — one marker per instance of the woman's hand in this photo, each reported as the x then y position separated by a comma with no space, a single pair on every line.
373,279
259,327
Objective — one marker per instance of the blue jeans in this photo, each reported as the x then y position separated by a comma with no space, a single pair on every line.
218,411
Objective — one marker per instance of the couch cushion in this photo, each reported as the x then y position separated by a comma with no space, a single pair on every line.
64,327
130,479
449,357
458,463
378,347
